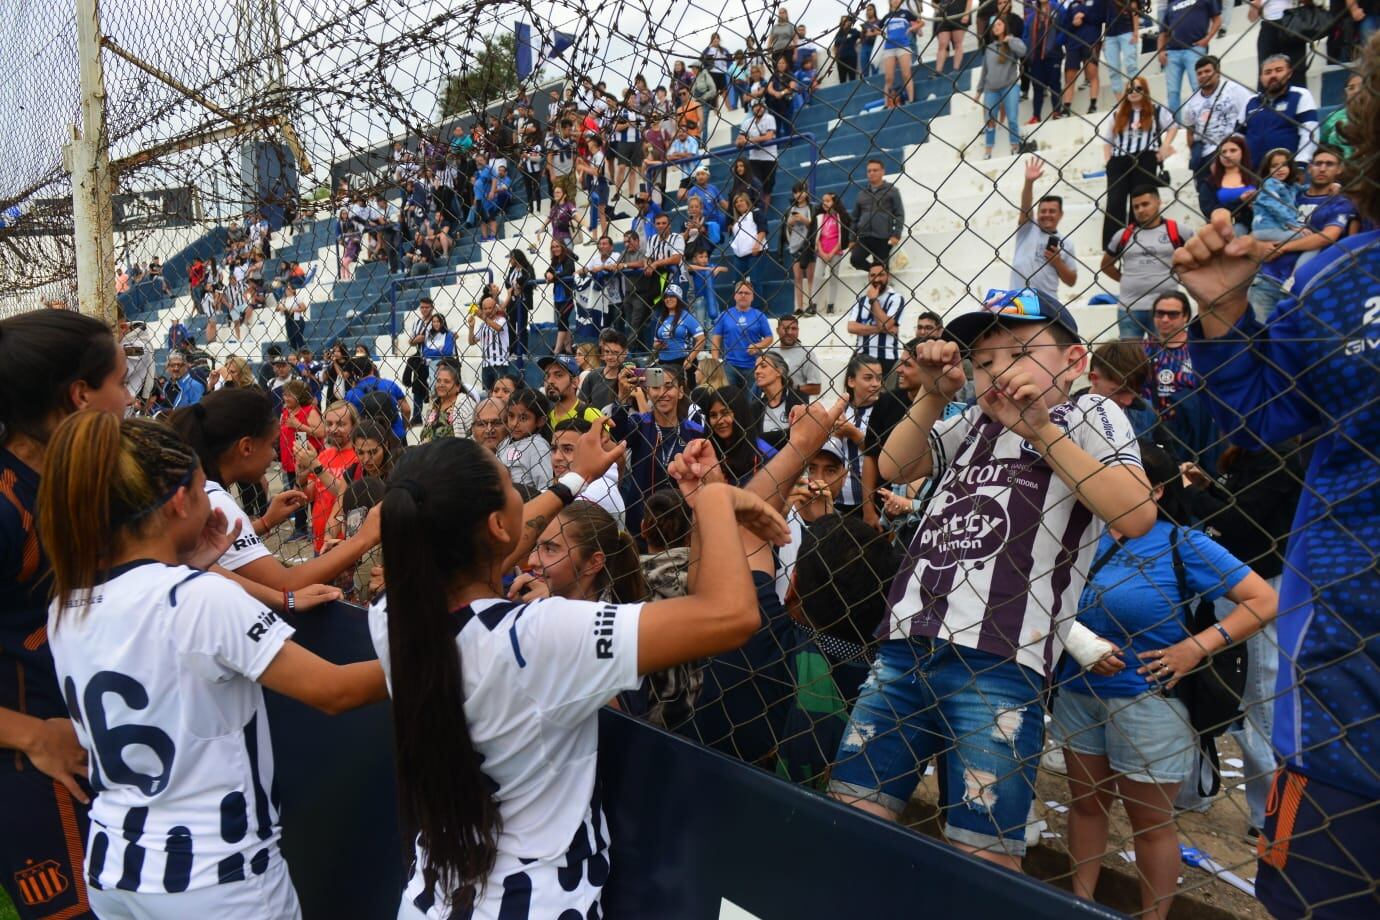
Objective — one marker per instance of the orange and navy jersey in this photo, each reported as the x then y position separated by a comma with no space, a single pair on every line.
42,851
28,681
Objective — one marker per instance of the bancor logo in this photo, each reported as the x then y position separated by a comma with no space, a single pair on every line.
967,528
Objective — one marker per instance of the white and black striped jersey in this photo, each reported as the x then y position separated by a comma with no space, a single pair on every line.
236,296
852,493
535,676
494,347
631,133
883,346
1137,137
160,676
672,244
246,547
1001,557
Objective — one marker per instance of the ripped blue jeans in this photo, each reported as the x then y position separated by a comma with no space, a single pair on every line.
982,713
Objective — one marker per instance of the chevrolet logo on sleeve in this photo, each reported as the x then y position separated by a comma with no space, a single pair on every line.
39,884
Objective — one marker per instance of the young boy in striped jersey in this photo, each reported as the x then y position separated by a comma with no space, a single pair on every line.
989,587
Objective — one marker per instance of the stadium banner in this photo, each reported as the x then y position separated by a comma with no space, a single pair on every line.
155,209
696,835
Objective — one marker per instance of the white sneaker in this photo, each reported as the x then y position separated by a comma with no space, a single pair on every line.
1053,761
1034,828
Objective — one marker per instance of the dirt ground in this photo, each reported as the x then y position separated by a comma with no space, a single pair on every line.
1220,833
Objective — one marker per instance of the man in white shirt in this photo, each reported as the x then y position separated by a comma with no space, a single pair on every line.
805,373
293,305
1211,116
603,492
1042,258
685,145
758,128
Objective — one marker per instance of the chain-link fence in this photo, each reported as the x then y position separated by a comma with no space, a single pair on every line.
699,220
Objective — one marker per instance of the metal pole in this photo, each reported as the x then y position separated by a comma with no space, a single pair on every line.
88,160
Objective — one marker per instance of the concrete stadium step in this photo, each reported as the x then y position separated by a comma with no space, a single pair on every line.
841,96
818,120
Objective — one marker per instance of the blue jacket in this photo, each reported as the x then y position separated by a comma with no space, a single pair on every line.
1291,122
447,349
1053,37
189,392
640,431
1094,15
1311,369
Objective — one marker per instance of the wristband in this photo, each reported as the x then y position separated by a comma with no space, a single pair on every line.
561,491
574,482
1223,630
289,601
316,470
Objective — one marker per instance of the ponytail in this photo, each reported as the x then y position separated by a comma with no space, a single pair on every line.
591,529
434,528
220,420
103,478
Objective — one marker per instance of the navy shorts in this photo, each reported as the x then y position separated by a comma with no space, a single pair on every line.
42,848
1318,856
1076,54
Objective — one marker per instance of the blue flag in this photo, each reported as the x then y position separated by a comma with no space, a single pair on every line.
524,50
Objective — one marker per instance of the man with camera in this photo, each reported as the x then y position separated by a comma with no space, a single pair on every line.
1042,258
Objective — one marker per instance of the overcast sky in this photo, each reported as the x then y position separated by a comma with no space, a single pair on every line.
355,65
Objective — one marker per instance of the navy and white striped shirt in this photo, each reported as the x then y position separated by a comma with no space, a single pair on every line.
535,677
852,493
882,346
632,133
185,790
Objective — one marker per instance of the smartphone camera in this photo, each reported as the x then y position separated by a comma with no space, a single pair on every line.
655,376
1053,241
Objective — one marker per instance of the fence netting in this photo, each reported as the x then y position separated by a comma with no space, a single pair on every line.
514,217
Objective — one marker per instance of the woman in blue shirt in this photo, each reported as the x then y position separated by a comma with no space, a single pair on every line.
679,336
1124,735
438,344
897,27
561,277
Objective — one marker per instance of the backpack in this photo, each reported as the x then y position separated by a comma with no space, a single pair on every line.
1175,238
1213,692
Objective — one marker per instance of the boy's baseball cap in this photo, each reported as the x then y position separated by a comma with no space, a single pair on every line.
1024,305
834,446
572,367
